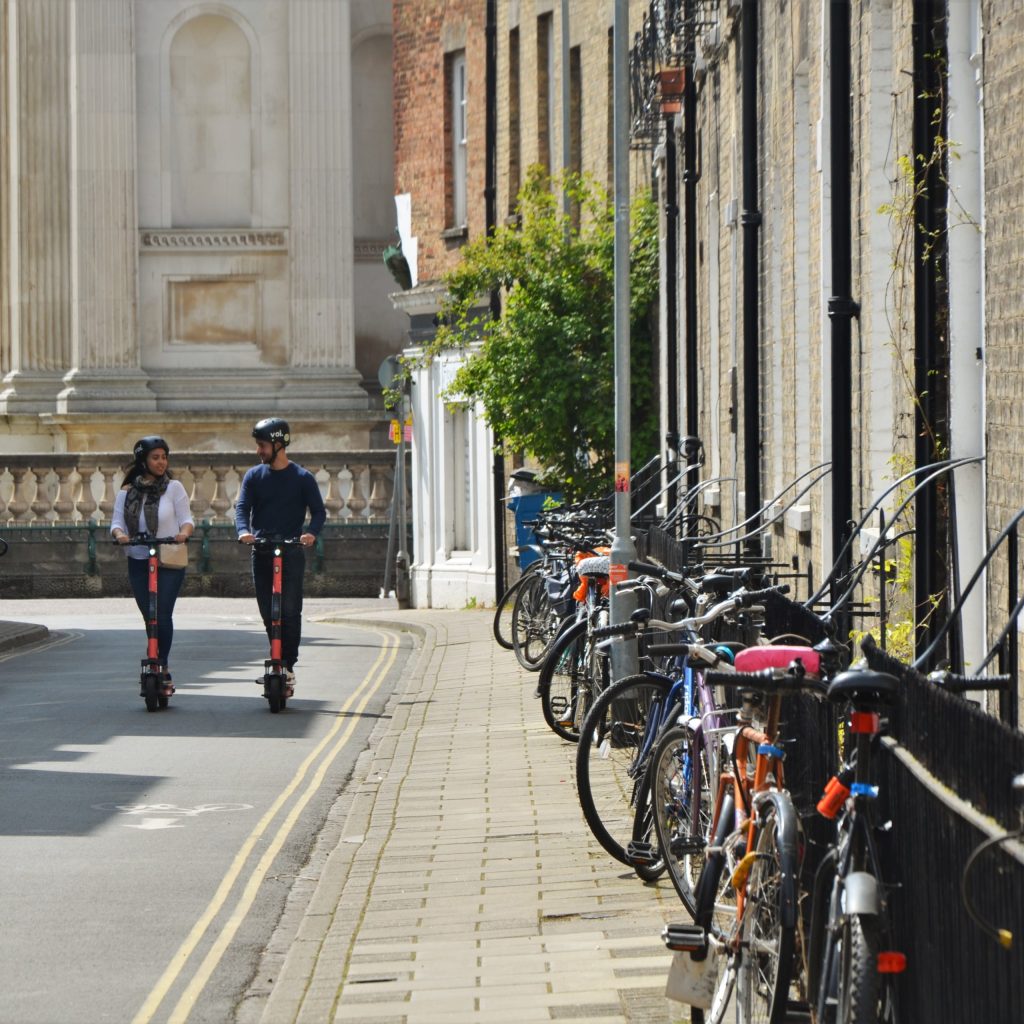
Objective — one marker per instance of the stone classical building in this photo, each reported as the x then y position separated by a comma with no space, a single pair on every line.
195,199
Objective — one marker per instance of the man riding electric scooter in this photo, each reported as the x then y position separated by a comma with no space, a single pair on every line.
273,502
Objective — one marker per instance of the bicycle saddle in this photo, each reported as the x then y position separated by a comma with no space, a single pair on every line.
862,686
780,656
596,565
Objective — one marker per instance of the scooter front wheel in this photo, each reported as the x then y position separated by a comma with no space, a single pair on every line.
273,690
151,686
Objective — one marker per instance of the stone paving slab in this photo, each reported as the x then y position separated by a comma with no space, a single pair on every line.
464,884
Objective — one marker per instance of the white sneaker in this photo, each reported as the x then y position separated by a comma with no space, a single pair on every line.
289,681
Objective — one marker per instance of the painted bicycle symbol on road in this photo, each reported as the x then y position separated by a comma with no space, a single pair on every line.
152,817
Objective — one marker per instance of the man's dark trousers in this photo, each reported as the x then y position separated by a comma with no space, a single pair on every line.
291,596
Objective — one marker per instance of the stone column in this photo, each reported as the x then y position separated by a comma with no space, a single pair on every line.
321,237
6,50
105,373
37,267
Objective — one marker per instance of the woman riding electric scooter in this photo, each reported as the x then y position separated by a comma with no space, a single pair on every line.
153,504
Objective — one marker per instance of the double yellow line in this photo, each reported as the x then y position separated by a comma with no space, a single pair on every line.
337,735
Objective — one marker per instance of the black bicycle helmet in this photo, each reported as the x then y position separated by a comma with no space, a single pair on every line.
272,429
145,445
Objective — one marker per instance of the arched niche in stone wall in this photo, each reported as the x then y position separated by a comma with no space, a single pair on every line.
372,137
211,123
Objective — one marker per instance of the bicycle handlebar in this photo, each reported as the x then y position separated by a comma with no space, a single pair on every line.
768,681
618,629
269,542
755,680
657,571
699,652
740,599
966,684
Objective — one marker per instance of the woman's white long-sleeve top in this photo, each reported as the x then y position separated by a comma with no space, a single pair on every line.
172,514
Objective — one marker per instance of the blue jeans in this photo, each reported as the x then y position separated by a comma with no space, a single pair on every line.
168,585
291,597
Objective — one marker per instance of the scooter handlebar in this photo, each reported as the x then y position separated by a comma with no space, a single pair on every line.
144,540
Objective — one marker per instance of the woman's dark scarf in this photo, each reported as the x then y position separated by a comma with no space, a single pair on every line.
145,498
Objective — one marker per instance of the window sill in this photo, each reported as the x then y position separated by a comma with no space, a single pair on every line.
454,234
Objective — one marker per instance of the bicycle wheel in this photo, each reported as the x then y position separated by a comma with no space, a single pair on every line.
859,992
643,832
534,623
715,913
564,684
502,625
766,961
682,805
611,759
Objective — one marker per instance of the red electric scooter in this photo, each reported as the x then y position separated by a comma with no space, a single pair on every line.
274,680
153,687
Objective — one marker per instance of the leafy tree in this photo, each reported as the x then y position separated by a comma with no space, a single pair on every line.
544,370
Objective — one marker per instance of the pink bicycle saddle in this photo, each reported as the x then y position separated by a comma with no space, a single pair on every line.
754,659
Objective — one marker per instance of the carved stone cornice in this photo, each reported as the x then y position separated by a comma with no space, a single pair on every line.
221,240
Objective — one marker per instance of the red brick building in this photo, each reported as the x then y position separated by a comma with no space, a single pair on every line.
439,125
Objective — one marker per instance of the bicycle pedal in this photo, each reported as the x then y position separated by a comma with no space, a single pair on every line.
688,846
640,853
797,1013
685,938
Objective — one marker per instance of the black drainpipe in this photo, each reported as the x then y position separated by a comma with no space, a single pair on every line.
490,219
751,221
690,179
671,300
930,305
841,306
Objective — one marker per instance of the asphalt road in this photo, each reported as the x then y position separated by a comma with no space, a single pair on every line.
146,856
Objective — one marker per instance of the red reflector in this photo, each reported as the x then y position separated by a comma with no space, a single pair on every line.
864,722
890,962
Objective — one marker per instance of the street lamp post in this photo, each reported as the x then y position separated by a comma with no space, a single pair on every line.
388,375
624,658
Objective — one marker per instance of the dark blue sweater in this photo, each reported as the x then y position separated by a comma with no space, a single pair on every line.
273,502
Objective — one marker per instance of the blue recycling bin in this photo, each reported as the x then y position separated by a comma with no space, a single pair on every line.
526,508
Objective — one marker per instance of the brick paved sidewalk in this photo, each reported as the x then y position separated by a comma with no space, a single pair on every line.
462,883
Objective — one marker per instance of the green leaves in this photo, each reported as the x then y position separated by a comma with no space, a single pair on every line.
544,371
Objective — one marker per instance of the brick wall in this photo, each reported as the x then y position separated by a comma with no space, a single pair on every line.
530,106
424,35
1004,268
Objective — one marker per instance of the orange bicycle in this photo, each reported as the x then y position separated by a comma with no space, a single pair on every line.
744,941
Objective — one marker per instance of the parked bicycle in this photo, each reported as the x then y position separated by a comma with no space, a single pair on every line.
623,726
747,895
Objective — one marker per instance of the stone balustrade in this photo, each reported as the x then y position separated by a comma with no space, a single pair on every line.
36,490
